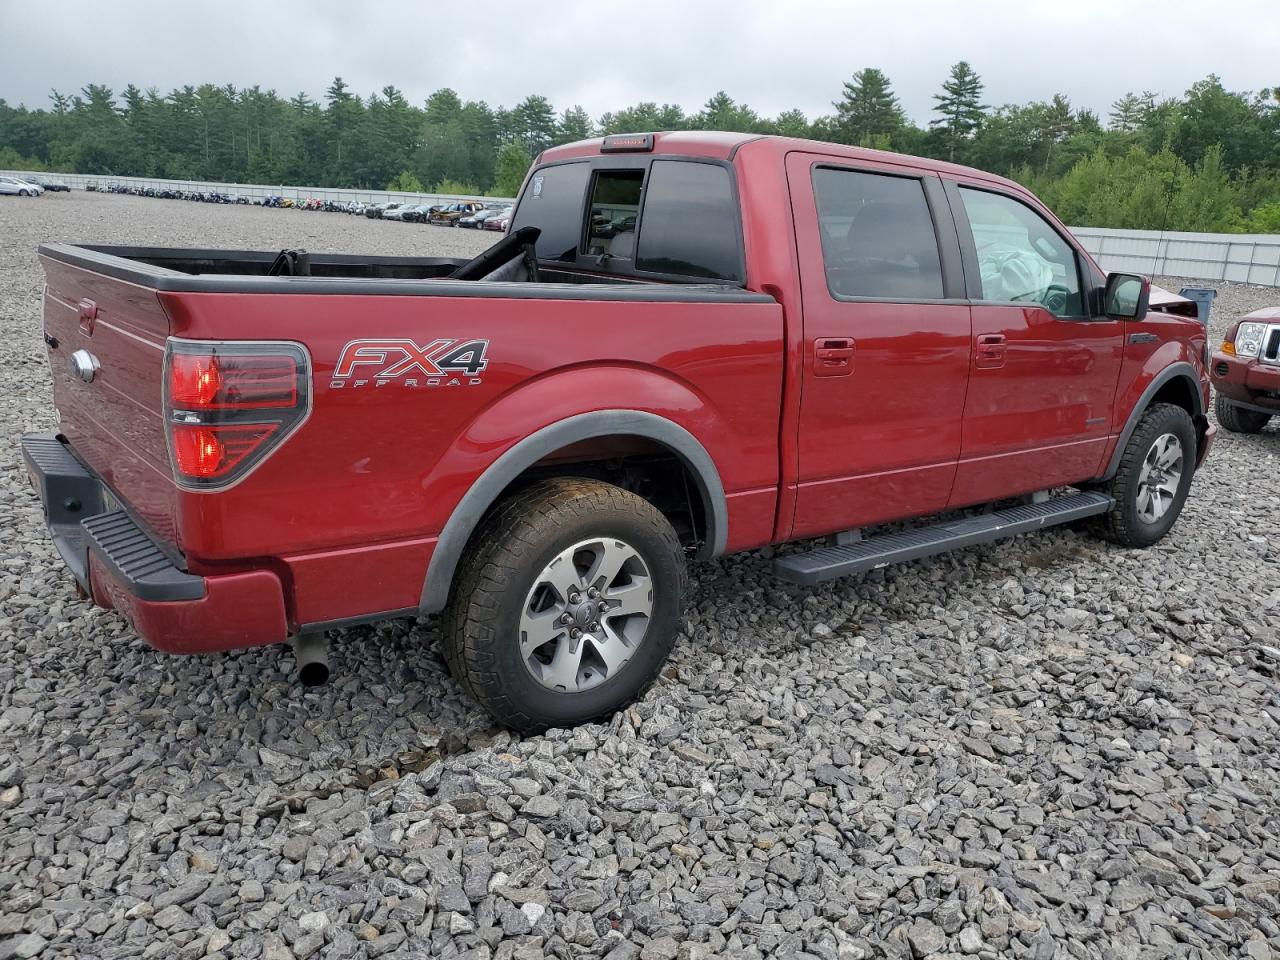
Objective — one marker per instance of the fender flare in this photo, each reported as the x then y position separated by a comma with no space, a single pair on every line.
1180,369
498,475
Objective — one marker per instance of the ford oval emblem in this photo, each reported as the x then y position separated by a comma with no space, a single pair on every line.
85,365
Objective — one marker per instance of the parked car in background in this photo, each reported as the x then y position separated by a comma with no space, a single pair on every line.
1246,372
451,213
416,213
501,222
396,211
14,187
376,211
31,182
48,183
356,207
475,220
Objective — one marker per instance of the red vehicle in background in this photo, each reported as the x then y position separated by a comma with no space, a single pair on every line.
689,344
501,222
1246,372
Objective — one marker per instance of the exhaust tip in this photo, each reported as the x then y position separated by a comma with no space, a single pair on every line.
313,674
312,654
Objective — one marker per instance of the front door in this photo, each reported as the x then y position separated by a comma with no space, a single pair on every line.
1044,370
886,343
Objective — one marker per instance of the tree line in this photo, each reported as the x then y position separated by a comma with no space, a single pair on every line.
1207,160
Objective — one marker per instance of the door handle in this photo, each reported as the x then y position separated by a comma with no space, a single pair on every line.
833,356
990,352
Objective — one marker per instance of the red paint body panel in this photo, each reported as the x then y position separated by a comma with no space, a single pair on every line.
114,423
1043,417
341,521
237,610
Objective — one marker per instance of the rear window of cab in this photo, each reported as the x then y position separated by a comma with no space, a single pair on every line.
659,218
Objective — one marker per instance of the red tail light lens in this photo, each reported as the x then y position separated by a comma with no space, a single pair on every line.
207,453
218,382
229,405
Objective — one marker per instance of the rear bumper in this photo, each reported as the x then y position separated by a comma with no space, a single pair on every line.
1248,382
121,567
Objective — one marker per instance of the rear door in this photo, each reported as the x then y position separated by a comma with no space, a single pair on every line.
886,342
1044,369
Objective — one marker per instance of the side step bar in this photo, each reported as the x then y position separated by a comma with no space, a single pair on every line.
829,562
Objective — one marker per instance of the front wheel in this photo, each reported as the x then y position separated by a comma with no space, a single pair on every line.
566,604
1238,419
1151,484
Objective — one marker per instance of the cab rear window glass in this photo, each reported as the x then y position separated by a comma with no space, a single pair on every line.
877,236
689,225
553,202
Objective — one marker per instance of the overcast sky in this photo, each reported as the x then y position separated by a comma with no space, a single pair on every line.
771,55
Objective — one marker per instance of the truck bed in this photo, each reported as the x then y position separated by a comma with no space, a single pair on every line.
197,270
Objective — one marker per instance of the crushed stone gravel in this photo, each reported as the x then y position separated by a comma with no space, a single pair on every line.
1049,747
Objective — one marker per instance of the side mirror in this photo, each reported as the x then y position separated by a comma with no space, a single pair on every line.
1126,296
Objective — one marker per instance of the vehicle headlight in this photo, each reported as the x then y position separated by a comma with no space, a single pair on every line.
1249,339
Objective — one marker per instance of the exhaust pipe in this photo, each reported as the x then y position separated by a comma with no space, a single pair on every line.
311,651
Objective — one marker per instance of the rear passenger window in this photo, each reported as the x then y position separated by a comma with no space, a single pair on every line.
689,225
877,236
553,202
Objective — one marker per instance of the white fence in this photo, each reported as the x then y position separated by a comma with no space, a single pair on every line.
1242,257
255,191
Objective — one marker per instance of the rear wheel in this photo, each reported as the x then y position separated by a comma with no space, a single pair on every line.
1151,484
566,605
1238,419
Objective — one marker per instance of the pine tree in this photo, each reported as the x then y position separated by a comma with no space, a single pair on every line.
575,124
960,105
868,110
1126,113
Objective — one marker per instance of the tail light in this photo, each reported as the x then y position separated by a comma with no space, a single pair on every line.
228,405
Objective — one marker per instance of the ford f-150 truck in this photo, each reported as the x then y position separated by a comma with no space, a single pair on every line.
689,344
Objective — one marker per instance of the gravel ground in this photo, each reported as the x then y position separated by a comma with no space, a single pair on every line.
1044,748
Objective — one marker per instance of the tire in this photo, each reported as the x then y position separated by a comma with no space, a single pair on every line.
507,574
24,193
1238,419
1140,517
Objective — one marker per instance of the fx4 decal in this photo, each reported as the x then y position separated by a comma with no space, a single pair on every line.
441,363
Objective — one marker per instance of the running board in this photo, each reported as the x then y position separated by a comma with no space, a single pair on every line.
829,562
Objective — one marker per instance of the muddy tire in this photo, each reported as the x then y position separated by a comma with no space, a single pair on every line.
566,604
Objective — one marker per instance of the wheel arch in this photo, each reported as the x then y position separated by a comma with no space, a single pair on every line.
1178,384
526,453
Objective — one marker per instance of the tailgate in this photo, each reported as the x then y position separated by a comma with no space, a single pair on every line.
113,420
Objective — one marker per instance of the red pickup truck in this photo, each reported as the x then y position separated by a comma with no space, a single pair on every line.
689,344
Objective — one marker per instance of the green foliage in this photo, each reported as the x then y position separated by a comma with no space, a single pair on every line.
513,164
1209,160
405,182
11,159
457,188
868,109
1264,218
960,107
1142,191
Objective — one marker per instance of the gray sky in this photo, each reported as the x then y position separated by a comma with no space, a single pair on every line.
772,55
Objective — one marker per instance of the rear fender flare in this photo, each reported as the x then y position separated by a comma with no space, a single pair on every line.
602,423
1181,369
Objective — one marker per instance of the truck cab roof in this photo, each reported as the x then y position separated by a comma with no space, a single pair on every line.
717,145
